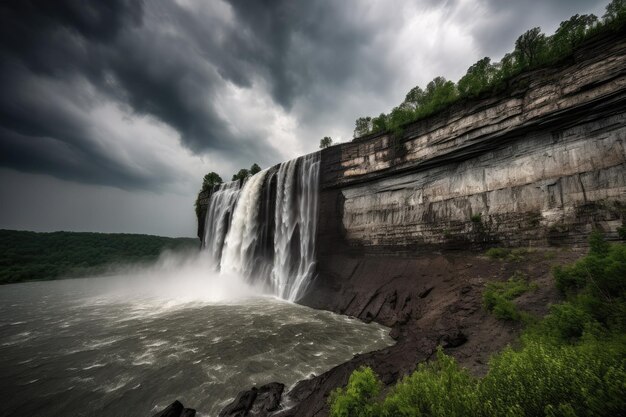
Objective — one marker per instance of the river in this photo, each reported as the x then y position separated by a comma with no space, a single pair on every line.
103,347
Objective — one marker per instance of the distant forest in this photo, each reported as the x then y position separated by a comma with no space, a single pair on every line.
31,256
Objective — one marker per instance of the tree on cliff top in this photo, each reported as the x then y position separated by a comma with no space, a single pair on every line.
326,142
363,126
255,168
208,182
245,173
530,47
616,10
477,78
241,175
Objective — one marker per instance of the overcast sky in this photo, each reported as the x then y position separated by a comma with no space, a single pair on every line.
112,111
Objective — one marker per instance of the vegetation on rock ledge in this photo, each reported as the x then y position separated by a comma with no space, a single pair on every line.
533,49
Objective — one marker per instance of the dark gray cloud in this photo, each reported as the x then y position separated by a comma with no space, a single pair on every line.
505,20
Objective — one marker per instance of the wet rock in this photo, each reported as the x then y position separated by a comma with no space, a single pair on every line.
395,332
454,339
255,402
267,399
176,409
188,412
425,293
241,404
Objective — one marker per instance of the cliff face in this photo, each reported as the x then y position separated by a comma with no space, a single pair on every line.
541,164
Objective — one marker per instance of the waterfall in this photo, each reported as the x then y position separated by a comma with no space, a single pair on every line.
296,222
239,247
265,231
218,216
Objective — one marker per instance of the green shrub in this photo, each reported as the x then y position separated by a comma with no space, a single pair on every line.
498,253
597,244
506,254
476,218
359,397
497,296
602,272
544,379
438,388
540,379
566,320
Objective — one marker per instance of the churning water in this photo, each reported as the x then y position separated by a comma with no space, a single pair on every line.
131,344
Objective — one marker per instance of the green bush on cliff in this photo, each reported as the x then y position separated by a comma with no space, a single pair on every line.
498,296
438,388
570,363
359,397
506,254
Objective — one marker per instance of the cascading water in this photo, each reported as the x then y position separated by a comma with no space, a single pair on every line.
296,219
282,257
240,245
218,217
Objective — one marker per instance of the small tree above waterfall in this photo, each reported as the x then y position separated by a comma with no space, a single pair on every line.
211,179
241,175
326,142
245,173
255,168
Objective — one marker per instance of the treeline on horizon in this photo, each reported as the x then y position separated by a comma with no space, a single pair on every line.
533,49
33,256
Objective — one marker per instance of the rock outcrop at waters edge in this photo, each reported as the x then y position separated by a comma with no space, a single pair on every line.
176,409
539,165
255,402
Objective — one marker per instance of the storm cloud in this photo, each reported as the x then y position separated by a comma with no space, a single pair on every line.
151,95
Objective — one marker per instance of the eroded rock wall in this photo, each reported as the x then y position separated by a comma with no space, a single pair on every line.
541,164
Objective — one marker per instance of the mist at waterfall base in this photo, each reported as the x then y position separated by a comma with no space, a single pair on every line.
197,327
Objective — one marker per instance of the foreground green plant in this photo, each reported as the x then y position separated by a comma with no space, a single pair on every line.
571,363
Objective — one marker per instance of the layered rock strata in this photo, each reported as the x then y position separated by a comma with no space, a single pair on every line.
540,164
